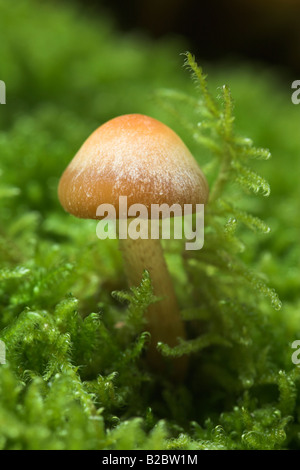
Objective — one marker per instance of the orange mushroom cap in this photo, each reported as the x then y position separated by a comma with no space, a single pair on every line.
134,156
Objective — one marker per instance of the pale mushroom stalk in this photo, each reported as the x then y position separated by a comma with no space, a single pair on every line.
163,317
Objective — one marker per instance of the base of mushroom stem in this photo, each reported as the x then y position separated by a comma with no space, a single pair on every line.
163,317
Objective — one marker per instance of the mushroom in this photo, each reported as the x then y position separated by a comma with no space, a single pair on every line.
141,158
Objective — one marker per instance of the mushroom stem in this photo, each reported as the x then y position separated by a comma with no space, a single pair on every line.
163,317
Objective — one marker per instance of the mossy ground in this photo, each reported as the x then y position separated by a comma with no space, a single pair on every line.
72,379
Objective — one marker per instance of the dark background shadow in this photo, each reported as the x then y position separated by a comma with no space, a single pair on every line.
262,30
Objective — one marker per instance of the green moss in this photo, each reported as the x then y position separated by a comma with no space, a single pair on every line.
75,337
